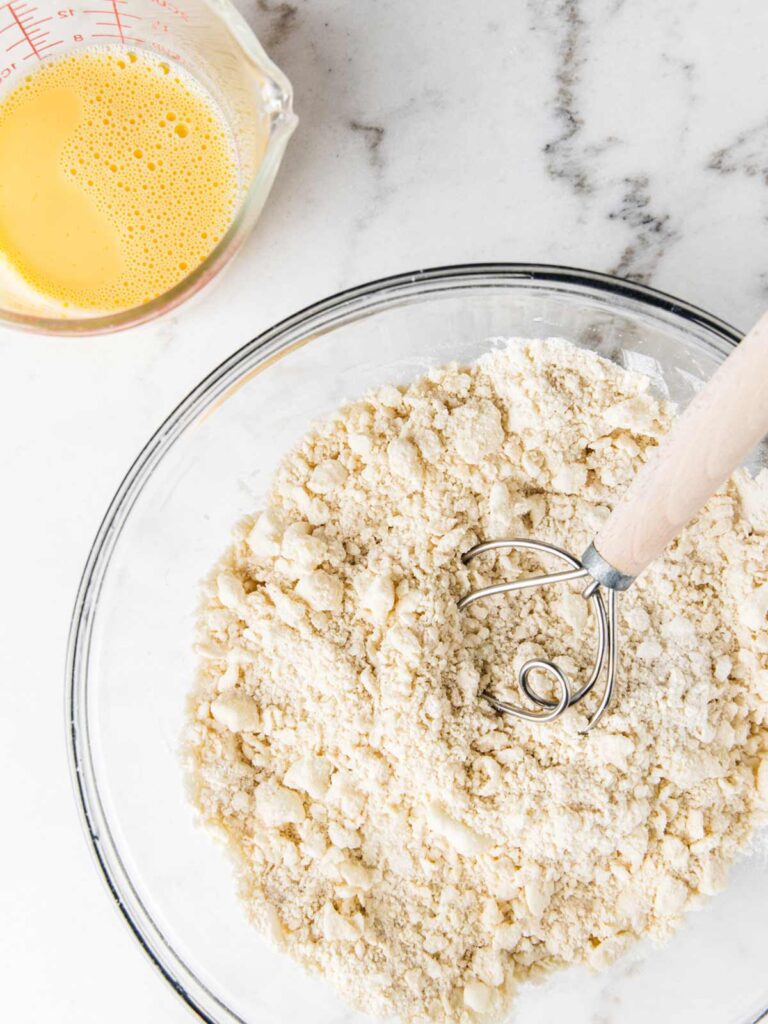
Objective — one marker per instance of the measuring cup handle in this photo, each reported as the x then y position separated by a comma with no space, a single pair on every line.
713,436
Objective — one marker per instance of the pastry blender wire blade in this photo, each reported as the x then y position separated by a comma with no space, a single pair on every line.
725,421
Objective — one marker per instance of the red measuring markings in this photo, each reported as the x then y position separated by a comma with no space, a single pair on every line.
177,12
26,30
116,22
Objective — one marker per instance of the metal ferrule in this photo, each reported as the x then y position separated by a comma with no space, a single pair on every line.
603,572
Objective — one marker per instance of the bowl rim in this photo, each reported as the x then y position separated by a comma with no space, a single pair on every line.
93,818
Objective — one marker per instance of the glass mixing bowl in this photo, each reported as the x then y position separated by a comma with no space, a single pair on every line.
131,663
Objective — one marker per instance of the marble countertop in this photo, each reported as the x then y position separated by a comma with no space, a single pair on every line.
618,136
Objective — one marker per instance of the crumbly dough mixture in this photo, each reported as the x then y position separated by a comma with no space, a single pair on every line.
390,830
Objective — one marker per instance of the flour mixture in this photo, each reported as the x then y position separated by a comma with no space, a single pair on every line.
390,830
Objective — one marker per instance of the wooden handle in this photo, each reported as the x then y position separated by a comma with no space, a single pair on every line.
714,435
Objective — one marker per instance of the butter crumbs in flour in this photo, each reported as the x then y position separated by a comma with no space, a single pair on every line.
390,830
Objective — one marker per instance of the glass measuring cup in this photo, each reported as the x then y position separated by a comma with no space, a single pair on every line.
211,41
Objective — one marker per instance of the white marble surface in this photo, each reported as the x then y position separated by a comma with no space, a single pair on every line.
616,135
